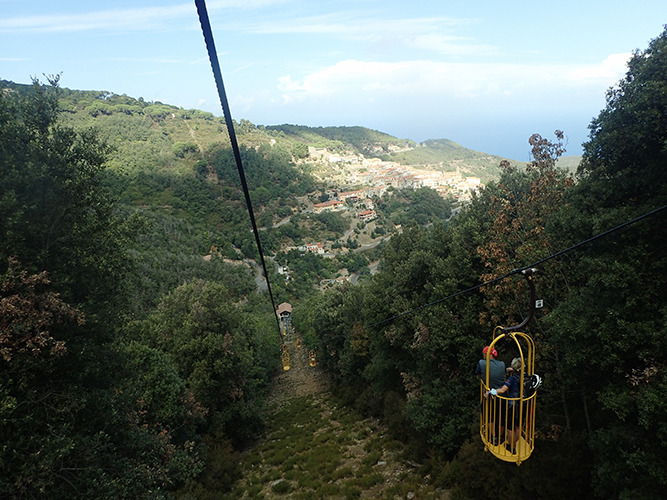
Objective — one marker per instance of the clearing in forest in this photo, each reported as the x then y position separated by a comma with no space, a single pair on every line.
314,448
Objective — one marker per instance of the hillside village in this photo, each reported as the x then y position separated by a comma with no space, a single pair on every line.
376,176
353,183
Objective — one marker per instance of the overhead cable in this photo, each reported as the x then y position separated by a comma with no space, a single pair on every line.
217,74
521,269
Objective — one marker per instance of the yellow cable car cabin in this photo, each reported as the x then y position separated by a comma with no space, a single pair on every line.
507,413
312,359
507,424
285,359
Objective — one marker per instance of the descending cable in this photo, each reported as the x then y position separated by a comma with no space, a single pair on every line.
506,275
217,74
593,238
521,269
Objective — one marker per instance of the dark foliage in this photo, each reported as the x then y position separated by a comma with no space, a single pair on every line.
89,409
601,428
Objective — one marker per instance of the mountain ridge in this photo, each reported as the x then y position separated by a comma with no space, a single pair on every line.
191,129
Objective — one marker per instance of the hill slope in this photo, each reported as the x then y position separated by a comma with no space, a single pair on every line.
447,156
436,154
315,447
147,133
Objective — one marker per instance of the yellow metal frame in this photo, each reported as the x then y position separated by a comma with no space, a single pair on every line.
285,359
497,409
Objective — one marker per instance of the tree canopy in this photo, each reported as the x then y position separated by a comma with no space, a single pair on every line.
136,353
92,402
599,336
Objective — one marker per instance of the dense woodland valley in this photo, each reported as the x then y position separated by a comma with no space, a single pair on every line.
138,345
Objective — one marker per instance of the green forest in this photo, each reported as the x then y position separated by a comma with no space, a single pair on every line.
137,352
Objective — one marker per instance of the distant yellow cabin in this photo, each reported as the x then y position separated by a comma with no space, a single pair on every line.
285,360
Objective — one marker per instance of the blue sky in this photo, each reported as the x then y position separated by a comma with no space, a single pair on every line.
484,74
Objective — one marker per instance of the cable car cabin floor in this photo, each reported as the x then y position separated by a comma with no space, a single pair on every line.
503,453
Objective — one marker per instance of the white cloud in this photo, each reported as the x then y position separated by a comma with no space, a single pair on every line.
358,26
156,60
612,68
421,33
133,19
453,80
116,19
447,44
